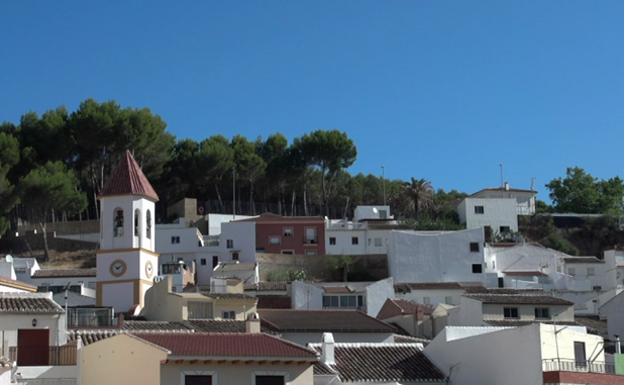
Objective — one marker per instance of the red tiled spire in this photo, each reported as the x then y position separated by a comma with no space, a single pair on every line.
128,179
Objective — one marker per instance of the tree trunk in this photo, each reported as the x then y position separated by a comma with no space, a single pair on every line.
46,250
251,202
219,197
305,199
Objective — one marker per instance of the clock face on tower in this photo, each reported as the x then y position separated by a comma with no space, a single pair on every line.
149,269
118,268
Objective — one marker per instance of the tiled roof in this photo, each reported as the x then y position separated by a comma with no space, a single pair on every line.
519,299
337,289
91,336
403,339
270,217
407,287
273,302
523,273
381,363
155,326
411,307
267,286
217,326
582,260
309,321
12,282
28,303
228,345
503,189
128,179
228,296
62,273
593,324
503,290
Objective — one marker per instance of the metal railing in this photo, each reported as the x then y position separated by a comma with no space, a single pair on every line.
563,365
44,355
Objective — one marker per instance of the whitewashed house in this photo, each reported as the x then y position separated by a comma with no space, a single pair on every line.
525,199
496,215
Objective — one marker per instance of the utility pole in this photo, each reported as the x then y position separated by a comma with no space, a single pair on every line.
383,176
233,192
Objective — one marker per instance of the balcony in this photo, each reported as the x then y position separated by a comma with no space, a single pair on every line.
561,371
66,355
561,365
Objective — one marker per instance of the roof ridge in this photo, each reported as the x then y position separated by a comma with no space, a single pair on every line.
128,179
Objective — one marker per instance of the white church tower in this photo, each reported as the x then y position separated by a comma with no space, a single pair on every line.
127,261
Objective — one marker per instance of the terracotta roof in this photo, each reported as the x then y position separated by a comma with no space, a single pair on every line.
411,307
217,326
91,336
582,260
524,273
273,302
381,363
128,179
503,189
227,345
155,326
229,296
311,321
407,287
270,217
336,289
12,282
62,273
28,303
518,299
267,286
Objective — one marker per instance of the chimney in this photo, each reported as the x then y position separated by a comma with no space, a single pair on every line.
506,186
327,349
252,324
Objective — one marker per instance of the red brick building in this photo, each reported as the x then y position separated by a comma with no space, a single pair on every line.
289,235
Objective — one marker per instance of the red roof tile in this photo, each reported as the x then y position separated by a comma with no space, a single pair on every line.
128,179
12,282
227,345
313,321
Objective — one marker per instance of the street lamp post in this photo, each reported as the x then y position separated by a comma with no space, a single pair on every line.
383,176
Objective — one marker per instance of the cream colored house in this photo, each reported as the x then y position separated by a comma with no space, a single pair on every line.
161,304
122,359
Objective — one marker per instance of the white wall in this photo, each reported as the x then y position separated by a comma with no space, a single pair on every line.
128,241
376,295
436,297
306,296
435,256
369,241
497,212
190,239
244,236
370,212
216,220
613,311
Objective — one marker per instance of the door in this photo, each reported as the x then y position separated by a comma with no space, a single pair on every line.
33,347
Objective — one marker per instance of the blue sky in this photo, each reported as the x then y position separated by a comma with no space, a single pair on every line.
442,90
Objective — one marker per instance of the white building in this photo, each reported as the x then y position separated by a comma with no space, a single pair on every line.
496,215
437,256
531,354
430,293
525,199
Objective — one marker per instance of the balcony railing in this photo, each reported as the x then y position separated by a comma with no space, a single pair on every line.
44,355
562,365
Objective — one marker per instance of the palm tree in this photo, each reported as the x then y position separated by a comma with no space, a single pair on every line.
419,194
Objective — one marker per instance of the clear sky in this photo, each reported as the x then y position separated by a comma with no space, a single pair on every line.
442,90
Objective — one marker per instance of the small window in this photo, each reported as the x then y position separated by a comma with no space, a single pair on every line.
542,312
378,242
383,214
310,252
148,225
175,239
355,240
202,261
197,380
477,268
332,240
479,210
270,380
235,256
474,247
118,229
274,240
579,354
510,312
230,243
137,216
427,300
288,252
448,300
360,300
572,271
288,231
591,271
229,314
504,229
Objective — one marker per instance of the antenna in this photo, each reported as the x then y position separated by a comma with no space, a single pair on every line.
532,183
502,181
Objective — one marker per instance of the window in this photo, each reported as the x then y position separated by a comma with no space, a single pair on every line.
235,256
274,240
542,312
355,240
332,240
175,239
331,301
479,210
474,247
346,301
202,261
230,243
288,231
510,312
118,227
148,225
215,261
137,215
288,252
426,300
477,268
310,252
572,271
591,271
231,314
579,354
504,229
310,235
448,300
270,380
360,300
197,380
383,214
378,242
199,310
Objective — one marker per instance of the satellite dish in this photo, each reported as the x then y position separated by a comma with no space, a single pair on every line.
8,258
375,210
